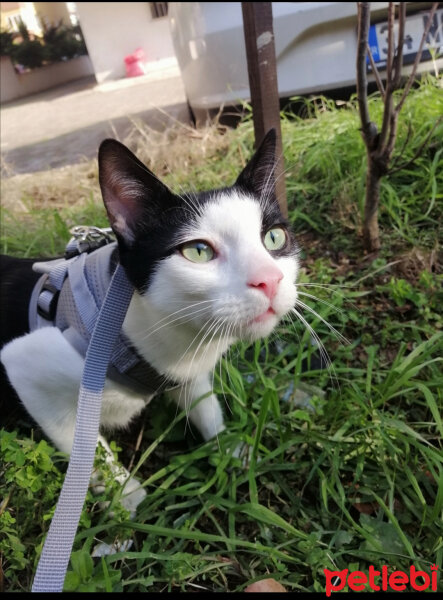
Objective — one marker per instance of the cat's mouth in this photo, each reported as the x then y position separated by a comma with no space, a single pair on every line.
264,316
259,326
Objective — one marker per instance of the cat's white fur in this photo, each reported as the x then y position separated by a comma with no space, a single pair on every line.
164,325
232,224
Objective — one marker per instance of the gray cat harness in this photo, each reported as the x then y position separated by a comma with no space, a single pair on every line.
101,322
69,295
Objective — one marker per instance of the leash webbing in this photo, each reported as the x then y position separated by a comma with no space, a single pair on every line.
51,569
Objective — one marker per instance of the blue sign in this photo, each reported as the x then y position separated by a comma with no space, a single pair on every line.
373,45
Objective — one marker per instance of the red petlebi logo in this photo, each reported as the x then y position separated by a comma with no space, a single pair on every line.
380,580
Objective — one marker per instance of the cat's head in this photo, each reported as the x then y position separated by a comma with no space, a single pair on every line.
225,258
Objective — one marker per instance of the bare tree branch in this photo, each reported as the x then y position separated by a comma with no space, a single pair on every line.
419,150
391,39
395,75
369,130
417,58
398,58
378,81
363,32
389,103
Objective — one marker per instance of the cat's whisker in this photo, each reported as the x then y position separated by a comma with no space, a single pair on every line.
214,330
194,208
192,204
331,306
168,320
222,335
211,327
191,198
220,361
289,316
210,322
182,320
266,196
188,317
323,352
228,334
331,288
227,358
337,334
322,349
318,344
323,285
184,389
229,331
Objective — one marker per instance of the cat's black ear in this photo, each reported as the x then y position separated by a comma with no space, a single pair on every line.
131,193
258,176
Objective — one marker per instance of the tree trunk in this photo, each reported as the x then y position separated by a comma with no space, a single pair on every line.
371,237
380,145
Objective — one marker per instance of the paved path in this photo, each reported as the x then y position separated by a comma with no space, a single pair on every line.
66,124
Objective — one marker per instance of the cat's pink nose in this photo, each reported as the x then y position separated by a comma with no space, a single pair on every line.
267,281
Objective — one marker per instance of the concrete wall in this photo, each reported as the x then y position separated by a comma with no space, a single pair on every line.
24,10
14,85
112,30
8,9
53,12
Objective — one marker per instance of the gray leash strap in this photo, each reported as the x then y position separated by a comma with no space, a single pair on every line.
51,569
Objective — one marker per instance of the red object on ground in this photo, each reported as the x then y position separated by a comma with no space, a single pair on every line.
135,63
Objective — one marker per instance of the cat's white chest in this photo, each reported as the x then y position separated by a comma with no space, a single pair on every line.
170,344
46,372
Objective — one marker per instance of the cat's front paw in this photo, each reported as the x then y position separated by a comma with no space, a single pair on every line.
244,453
133,495
104,549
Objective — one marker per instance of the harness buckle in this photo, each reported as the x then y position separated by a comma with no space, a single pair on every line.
86,238
47,301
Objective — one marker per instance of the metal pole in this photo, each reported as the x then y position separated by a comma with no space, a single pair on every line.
262,72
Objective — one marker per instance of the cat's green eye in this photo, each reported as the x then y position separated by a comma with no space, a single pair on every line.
197,252
275,239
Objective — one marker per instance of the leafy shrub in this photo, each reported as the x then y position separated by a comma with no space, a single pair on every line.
59,42
62,42
6,43
29,53
30,484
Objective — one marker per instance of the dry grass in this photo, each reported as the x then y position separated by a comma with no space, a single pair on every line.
38,209
178,150
56,188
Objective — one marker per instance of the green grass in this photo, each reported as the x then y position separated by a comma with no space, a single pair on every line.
344,465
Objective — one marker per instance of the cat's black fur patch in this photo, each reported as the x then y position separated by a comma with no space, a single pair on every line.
17,281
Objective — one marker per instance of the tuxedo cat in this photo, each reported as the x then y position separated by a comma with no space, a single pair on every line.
208,269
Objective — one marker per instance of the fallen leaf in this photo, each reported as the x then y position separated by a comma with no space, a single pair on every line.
368,508
266,585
